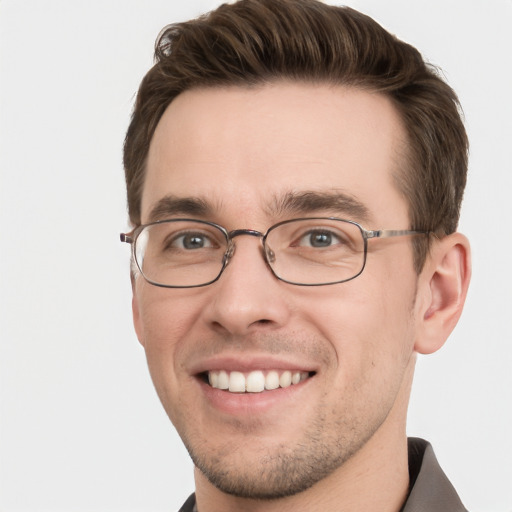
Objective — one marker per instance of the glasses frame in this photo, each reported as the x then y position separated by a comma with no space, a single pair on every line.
367,234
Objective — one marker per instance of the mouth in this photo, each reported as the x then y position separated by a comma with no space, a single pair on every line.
256,381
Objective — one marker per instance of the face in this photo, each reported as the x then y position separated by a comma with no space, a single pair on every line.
240,153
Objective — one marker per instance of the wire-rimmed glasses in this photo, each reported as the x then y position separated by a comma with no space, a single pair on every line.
314,251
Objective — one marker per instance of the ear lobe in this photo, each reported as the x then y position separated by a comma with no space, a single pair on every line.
447,274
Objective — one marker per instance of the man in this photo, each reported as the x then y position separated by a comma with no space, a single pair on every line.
294,178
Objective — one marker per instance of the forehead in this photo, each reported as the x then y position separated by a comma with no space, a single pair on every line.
239,148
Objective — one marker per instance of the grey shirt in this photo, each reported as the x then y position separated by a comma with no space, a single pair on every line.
430,489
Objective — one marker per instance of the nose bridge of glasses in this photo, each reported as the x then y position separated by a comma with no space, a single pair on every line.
239,232
230,251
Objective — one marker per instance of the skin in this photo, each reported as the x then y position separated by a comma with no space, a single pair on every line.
339,437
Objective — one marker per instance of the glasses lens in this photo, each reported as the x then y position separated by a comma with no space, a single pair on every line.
180,253
316,251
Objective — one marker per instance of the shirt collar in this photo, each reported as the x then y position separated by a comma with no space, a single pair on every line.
430,489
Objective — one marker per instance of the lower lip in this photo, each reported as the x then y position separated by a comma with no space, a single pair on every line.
239,404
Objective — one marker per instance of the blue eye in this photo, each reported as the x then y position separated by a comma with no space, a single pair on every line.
191,241
319,239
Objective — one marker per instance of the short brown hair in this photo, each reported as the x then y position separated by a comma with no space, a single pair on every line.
253,42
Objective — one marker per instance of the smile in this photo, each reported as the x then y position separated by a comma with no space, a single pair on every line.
256,381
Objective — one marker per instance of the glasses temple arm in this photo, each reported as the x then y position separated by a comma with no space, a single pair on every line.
126,237
388,233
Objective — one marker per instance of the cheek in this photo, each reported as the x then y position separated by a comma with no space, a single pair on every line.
368,322
373,337
165,317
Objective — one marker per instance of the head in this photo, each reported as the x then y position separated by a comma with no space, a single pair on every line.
261,112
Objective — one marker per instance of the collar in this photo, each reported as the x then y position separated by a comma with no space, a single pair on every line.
430,489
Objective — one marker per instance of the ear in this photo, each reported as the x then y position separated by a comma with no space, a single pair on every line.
444,283
137,322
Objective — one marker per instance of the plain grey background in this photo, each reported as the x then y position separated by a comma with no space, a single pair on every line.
81,428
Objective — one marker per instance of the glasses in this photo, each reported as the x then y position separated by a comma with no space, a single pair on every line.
316,251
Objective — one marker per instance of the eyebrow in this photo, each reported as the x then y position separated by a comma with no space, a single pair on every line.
170,205
335,203
288,205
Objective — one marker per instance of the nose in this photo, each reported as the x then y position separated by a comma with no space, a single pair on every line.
247,297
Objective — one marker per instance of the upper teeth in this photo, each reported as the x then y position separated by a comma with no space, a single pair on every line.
255,381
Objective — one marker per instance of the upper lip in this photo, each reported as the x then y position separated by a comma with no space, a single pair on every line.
249,363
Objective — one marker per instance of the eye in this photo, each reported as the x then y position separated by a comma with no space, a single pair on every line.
190,241
319,238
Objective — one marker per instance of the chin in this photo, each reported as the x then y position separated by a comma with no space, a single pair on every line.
276,472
